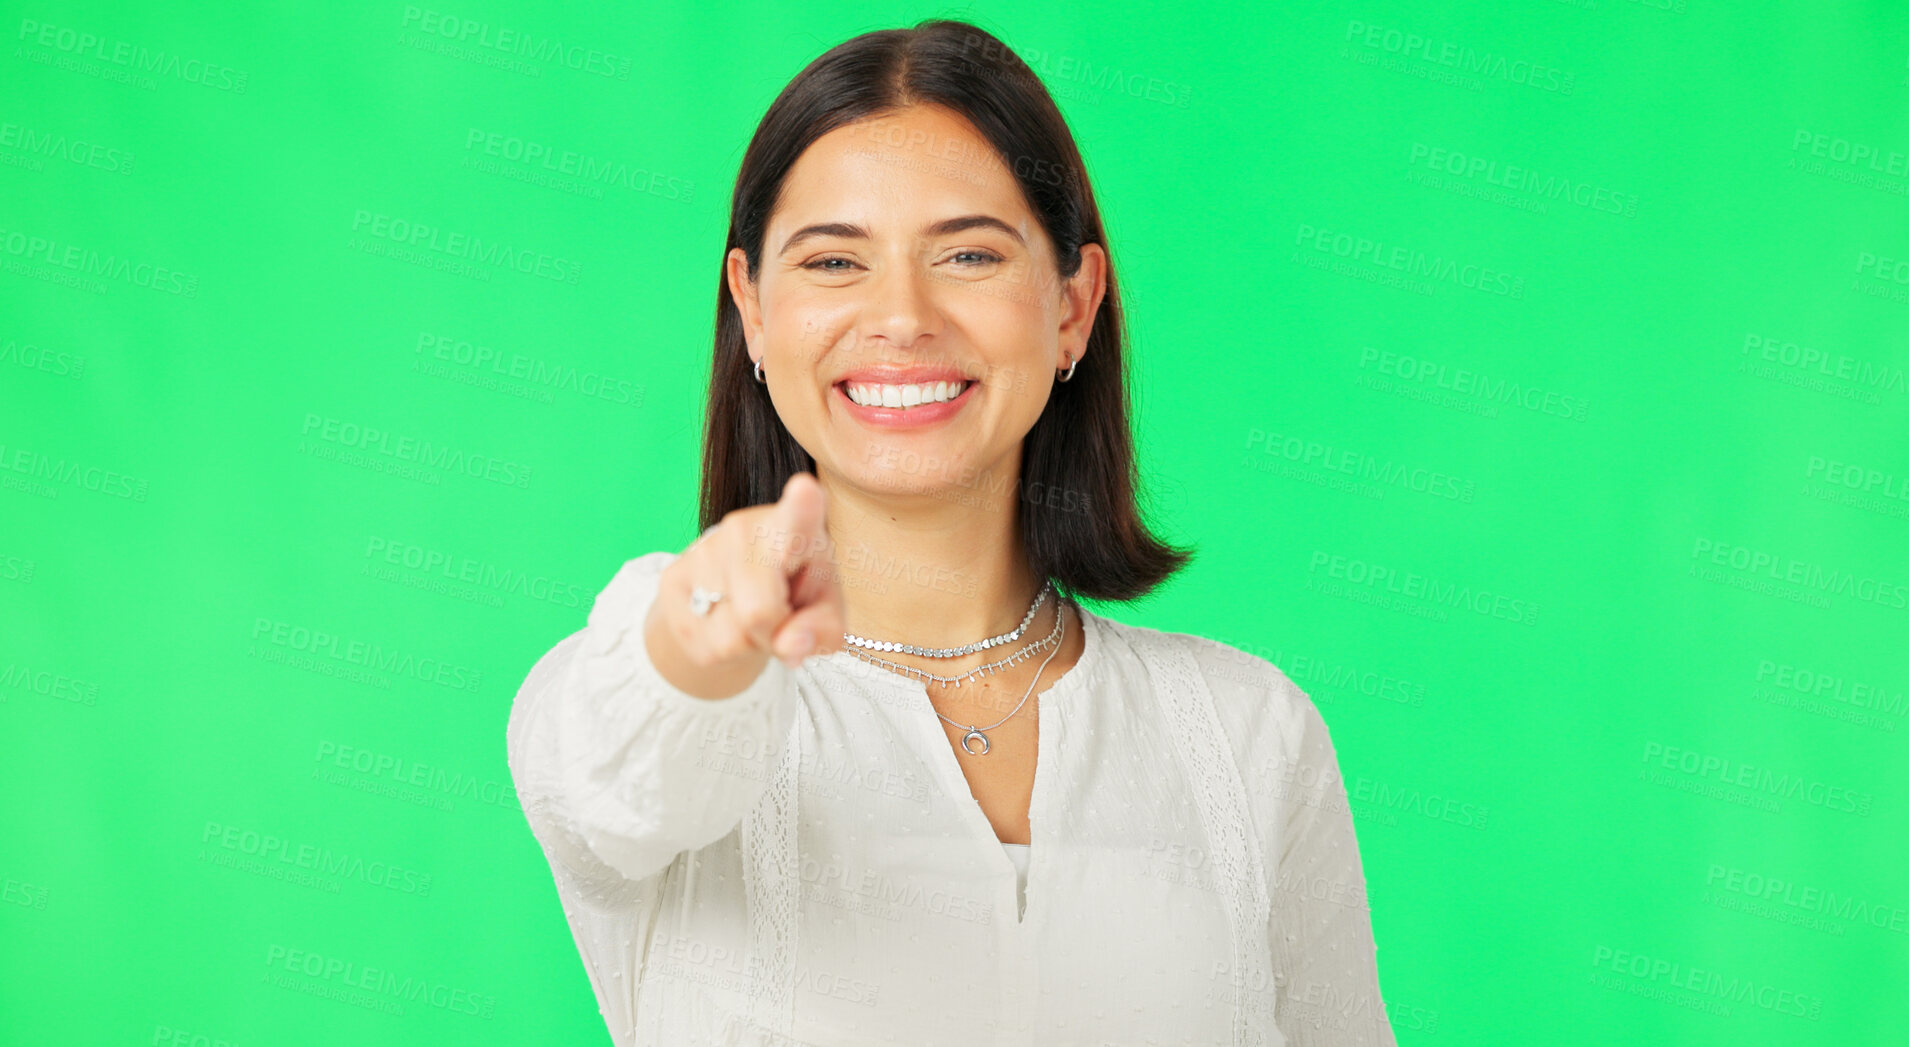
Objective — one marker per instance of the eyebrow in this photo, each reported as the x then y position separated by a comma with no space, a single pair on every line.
945,227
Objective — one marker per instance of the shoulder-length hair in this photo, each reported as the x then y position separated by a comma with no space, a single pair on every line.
1076,499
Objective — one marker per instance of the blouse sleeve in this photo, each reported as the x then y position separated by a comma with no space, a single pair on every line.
1325,963
618,770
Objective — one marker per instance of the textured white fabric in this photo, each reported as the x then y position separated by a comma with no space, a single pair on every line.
803,863
1017,853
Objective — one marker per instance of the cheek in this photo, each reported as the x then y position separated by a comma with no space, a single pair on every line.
805,330
1025,392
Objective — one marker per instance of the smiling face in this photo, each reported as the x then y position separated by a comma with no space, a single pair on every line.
909,313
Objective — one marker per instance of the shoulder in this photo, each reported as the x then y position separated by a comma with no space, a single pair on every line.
1272,728
1259,706
550,664
646,566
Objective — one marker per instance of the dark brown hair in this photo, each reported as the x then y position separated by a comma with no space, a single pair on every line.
1077,504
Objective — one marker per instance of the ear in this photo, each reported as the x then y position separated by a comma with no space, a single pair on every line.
1080,302
743,292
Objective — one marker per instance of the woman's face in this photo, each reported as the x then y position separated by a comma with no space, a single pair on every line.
909,314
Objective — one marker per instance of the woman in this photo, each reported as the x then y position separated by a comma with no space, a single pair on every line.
855,767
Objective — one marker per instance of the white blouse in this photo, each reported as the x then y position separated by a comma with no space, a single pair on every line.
804,864
1017,852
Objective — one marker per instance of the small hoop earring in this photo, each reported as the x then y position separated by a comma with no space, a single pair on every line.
759,378
1071,364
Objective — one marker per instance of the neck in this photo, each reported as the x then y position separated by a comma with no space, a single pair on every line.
935,569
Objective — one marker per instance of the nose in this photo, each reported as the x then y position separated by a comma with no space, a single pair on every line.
900,309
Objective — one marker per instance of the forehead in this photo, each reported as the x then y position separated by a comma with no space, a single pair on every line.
899,171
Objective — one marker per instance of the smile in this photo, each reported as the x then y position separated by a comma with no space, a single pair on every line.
869,394
892,405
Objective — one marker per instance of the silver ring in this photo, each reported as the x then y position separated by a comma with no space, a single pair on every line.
701,599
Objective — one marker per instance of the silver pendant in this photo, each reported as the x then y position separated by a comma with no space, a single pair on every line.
972,734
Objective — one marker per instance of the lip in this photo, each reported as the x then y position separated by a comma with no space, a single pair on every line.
903,417
915,375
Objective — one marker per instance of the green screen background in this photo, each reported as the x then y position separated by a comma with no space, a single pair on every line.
1529,377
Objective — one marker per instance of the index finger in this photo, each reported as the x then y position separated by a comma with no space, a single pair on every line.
800,521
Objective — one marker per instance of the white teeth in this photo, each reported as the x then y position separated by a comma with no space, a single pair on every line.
903,396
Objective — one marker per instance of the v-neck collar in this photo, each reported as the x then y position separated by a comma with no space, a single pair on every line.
955,783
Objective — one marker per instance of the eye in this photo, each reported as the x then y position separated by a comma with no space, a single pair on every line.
987,257
822,264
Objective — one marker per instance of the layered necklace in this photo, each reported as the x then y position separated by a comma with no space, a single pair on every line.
974,741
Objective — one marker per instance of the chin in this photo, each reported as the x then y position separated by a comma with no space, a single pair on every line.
894,467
